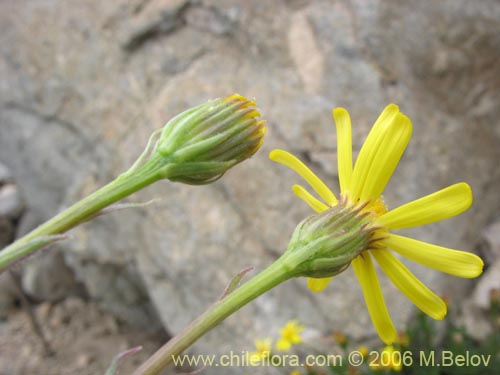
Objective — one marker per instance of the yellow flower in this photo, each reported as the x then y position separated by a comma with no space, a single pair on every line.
295,372
262,349
389,359
403,339
290,335
362,186
339,338
363,350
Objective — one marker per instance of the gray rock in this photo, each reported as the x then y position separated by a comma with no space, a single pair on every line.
107,269
28,221
5,174
210,19
46,277
8,294
155,19
476,310
475,320
492,237
11,202
488,283
6,232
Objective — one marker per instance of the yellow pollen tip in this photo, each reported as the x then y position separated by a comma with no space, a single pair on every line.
240,98
378,208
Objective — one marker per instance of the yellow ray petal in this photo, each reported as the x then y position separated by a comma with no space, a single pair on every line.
283,345
317,285
385,155
314,203
344,147
386,159
380,154
368,150
367,276
440,205
410,285
455,262
292,162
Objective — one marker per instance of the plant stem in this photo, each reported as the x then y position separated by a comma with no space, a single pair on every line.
83,210
275,274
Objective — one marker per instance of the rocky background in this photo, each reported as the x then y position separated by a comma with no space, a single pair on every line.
83,84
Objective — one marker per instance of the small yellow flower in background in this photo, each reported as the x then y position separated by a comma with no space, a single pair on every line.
375,366
361,186
395,360
295,372
363,350
403,339
339,338
290,335
389,359
262,349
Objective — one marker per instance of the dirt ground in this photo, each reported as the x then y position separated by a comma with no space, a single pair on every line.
84,340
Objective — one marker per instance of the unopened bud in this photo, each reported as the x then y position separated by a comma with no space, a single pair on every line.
324,245
203,142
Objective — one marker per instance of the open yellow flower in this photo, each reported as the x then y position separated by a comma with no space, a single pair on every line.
262,349
362,186
290,335
363,350
389,359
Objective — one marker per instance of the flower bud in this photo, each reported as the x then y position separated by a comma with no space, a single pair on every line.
202,143
324,245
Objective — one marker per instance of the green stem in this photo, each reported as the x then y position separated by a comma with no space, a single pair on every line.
83,210
275,274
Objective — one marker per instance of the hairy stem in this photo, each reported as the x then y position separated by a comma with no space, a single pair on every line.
275,274
81,211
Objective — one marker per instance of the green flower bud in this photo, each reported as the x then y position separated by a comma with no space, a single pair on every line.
202,143
324,245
